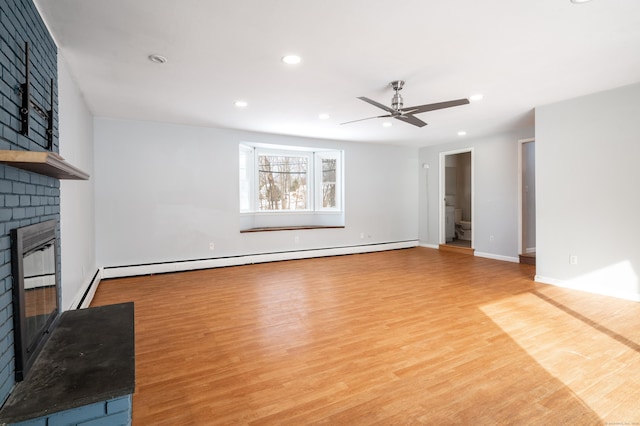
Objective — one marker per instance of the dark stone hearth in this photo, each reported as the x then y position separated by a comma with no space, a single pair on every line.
89,358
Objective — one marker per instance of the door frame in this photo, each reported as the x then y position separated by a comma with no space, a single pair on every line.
521,142
442,239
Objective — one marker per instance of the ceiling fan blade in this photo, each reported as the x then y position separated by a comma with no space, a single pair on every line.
411,120
369,118
378,104
432,107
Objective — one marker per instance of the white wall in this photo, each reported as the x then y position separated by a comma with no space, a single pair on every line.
77,223
587,178
165,191
495,193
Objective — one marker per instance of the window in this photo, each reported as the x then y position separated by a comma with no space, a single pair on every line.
329,191
288,181
283,182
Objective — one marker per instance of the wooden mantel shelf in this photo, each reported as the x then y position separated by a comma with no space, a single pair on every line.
45,163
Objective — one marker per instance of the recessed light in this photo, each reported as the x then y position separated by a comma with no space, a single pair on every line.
323,116
387,124
580,1
157,59
291,59
462,133
240,104
476,97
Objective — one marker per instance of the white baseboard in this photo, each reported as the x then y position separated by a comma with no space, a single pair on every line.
432,246
189,265
85,295
481,254
589,288
497,257
550,281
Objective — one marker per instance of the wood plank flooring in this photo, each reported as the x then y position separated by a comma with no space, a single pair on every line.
452,248
412,336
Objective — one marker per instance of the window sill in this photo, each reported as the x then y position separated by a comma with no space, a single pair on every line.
290,221
288,228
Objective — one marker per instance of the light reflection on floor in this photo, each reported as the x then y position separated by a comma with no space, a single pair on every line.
600,367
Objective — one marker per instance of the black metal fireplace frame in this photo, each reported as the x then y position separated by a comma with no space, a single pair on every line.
25,240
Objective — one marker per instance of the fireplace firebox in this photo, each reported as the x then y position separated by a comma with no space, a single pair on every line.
36,290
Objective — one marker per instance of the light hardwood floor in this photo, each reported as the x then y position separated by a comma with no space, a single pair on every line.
410,336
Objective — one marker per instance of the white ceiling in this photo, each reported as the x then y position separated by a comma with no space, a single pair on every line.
519,54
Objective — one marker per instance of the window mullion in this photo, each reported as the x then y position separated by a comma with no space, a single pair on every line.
311,196
255,198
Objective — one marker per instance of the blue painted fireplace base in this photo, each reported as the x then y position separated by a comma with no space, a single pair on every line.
85,374
115,412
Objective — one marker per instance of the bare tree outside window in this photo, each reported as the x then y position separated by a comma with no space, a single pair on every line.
282,182
329,182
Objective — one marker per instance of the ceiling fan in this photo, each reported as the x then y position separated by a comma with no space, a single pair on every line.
407,114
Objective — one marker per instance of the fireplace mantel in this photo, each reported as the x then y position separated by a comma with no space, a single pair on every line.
45,163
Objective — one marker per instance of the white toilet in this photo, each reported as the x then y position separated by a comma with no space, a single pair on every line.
463,227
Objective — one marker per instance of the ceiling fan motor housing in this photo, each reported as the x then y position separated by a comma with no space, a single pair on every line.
396,101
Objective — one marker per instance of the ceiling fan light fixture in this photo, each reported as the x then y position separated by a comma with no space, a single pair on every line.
241,104
387,124
291,59
476,97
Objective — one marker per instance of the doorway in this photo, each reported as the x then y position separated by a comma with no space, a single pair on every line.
527,201
456,198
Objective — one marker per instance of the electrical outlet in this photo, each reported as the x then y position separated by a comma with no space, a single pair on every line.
573,259
212,246
491,238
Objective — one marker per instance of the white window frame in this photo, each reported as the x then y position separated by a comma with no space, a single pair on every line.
247,203
315,215
333,155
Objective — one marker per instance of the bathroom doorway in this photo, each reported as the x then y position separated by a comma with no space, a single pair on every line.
527,201
456,198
